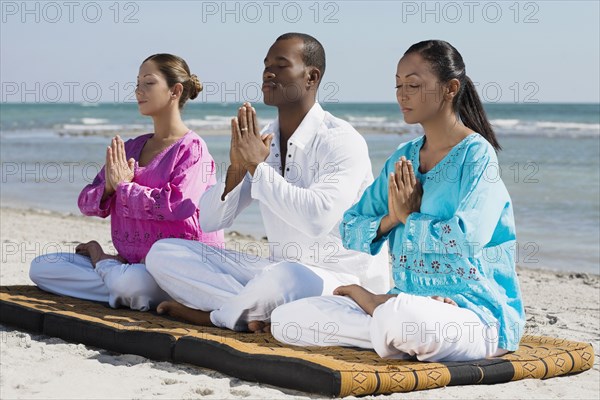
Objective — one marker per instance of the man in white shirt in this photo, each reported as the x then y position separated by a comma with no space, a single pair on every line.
305,170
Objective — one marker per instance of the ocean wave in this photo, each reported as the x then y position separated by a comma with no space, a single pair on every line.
93,121
97,126
27,134
545,128
367,119
102,129
86,126
504,123
568,126
366,124
217,122
501,126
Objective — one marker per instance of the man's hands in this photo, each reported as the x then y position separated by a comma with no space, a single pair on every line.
248,148
235,158
117,169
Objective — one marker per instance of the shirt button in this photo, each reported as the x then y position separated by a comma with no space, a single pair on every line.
289,156
272,144
276,155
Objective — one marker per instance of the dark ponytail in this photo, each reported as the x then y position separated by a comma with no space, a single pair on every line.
447,63
472,114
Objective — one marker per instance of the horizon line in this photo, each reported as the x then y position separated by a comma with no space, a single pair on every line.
191,102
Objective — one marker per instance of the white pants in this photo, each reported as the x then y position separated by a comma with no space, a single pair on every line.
235,287
112,282
403,327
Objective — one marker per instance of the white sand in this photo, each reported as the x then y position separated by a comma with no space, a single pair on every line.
36,366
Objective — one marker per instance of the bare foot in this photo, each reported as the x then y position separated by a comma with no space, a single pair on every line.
179,311
259,327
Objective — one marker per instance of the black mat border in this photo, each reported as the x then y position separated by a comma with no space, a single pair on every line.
281,371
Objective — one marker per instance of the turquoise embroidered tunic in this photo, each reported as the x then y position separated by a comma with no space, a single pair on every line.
460,245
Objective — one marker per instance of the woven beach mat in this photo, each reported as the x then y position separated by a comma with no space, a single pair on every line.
330,371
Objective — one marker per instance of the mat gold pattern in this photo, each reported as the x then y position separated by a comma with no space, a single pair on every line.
332,371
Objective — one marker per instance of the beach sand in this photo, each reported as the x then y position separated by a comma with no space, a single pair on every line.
565,305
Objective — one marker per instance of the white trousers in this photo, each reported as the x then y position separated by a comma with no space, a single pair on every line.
405,326
112,282
234,287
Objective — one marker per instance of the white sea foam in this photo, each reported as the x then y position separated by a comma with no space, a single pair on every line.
102,129
103,125
504,123
217,122
27,134
367,119
545,128
93,121
501,126
569,126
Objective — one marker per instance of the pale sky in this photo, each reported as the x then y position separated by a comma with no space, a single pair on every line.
546,51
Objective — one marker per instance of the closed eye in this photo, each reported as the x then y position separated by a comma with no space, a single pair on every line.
137,84
410,86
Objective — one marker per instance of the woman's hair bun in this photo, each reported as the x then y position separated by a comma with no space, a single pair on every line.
196,86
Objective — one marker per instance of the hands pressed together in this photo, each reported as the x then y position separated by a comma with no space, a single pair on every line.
248,147
404,192
404,196
117,169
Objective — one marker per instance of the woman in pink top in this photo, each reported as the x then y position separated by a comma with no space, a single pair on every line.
150,186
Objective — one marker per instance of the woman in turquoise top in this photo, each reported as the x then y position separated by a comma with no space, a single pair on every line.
441,204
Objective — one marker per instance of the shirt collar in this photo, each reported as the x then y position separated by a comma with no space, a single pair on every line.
306,131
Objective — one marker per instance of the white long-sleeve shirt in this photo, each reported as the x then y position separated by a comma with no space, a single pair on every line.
327,168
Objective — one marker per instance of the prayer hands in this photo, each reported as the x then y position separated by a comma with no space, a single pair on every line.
248,148
118,169
404,192
235,158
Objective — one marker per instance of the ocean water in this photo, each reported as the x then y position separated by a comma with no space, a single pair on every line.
550,163
89,118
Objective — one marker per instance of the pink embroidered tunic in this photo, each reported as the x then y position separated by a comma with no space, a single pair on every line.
160,202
